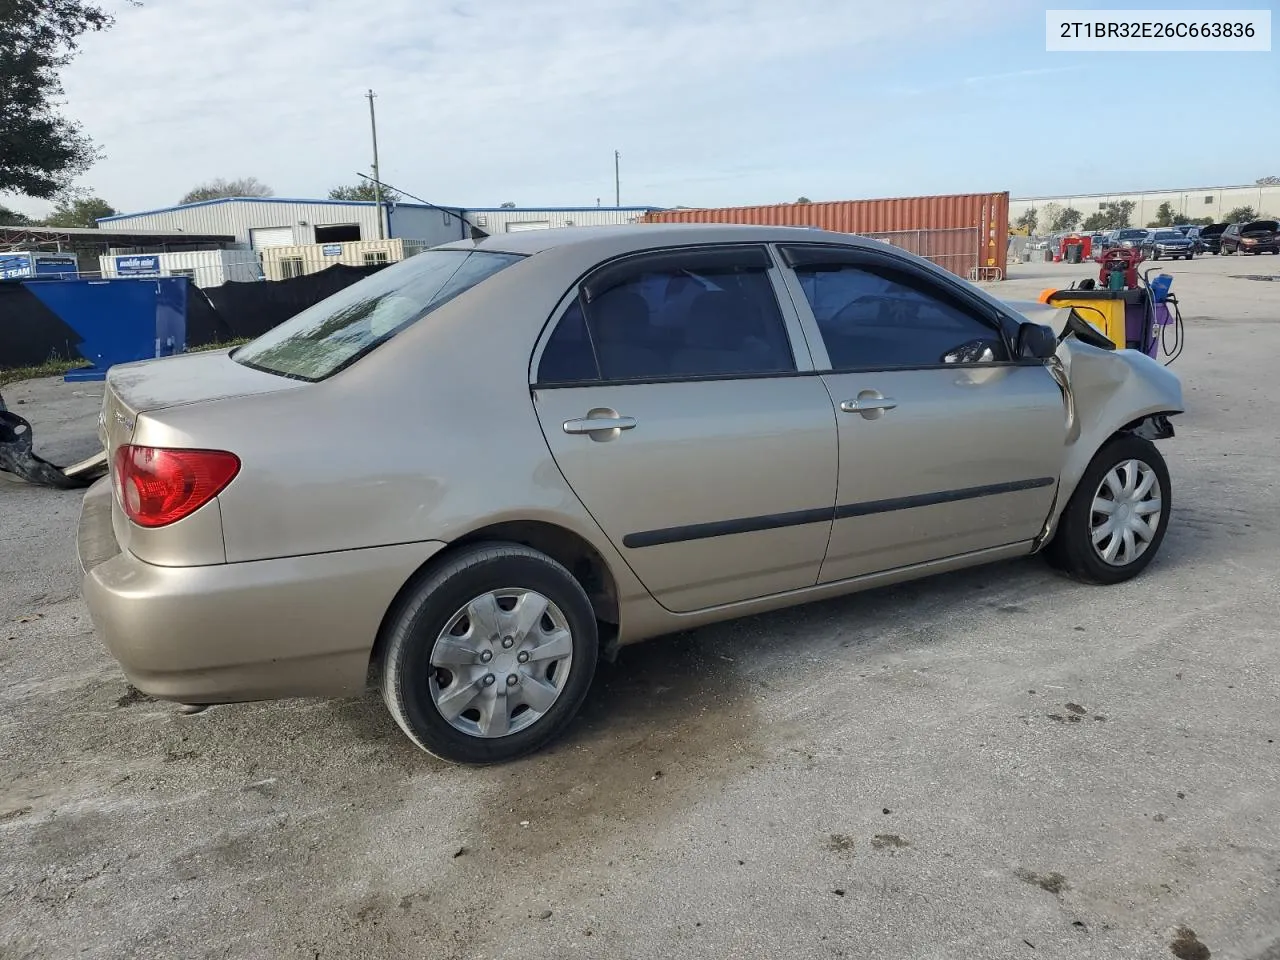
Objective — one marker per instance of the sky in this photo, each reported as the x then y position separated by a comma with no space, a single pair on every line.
709,102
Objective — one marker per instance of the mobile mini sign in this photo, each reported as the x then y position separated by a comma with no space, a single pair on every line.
136,266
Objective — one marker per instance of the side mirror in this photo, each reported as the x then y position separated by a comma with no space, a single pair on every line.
1035,342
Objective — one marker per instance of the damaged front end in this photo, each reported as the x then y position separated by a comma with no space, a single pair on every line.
1105,392
18,458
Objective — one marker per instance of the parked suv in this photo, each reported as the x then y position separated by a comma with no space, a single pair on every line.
1167,243
1258,236
1192,232
1130,237
1211,237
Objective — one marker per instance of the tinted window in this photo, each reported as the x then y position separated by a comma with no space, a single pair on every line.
569,355
340,329
871,317
672,324
1167,235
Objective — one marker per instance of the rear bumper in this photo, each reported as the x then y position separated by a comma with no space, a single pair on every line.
297,626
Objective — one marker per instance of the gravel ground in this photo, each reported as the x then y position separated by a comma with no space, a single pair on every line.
998,763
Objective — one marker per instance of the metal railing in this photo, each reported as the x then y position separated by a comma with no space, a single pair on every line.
955,250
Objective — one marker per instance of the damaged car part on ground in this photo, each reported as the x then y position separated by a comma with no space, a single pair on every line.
587,437
18,459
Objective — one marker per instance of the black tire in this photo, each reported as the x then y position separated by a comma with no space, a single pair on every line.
427,607
1071,550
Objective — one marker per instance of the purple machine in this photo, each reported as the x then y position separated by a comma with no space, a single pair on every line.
1147,316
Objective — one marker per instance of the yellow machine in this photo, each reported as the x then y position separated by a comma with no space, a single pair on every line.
1103,309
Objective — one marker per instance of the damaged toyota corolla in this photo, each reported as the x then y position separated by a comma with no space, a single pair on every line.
478,471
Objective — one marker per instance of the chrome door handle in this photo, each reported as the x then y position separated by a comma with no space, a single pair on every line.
599,424
870,403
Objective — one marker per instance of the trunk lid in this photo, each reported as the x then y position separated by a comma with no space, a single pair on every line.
133,389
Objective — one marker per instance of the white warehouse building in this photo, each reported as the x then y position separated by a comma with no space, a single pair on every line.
262,222
1192,202
258,222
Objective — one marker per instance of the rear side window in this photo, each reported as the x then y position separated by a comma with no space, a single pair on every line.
672,323
875,318
340,329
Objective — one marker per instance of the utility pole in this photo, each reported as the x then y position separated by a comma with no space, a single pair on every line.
617,183
377,177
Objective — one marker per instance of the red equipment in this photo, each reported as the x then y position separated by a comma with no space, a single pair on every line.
1085,243
1120,260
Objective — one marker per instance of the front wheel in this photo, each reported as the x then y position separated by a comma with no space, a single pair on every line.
1116,519
490,656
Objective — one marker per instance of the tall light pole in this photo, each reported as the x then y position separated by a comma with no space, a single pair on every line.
617,182
377,177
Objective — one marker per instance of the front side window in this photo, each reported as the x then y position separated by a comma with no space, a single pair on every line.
874,317
340,329
673,323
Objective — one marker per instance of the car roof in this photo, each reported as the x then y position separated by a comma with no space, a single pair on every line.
647,235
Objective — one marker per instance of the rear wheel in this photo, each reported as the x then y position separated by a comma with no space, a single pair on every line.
490,656
1116,519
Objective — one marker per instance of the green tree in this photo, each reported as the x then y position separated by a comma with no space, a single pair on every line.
1028,220
1112,216
218,188
804,200
363,191
78,209
1165,216
12,218
1241,215
1068,219
40,149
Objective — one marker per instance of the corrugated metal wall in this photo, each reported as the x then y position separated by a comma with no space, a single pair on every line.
986,214
237,217
499,221
428,224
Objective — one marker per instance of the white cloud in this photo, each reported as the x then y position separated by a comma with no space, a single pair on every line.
488,100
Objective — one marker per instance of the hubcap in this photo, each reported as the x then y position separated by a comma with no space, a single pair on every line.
1126,512
518,636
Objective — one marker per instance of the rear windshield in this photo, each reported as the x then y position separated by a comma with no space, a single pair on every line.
339,330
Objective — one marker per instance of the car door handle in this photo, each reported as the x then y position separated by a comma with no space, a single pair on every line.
599,424
862,405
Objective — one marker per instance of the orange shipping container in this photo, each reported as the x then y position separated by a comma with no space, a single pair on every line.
966,233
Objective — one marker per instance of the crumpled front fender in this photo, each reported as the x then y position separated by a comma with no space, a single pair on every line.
1107,391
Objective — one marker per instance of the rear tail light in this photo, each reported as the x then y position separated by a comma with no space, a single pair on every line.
159,486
